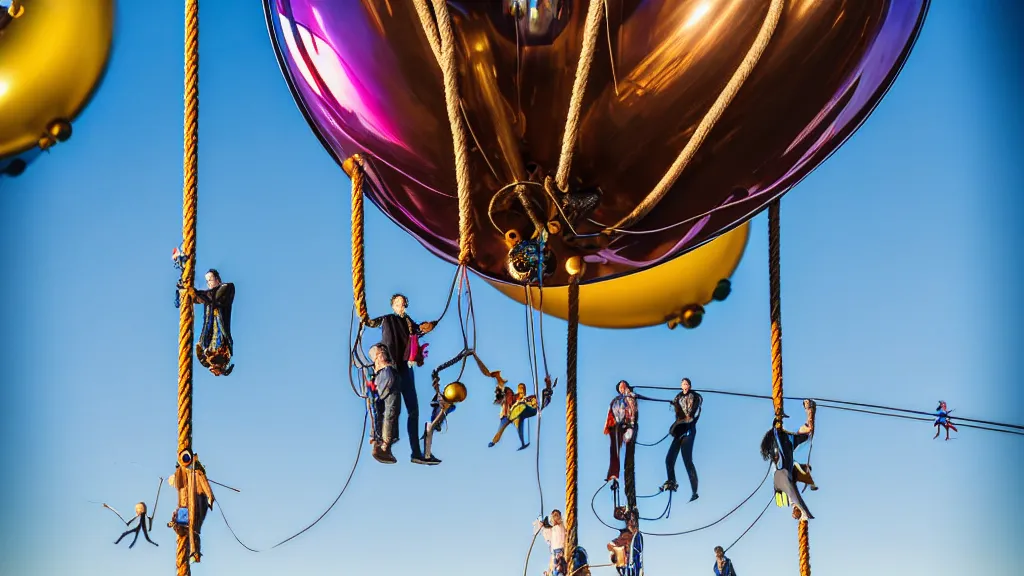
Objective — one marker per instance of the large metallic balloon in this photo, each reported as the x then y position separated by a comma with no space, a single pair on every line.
52,58
368,81
672,293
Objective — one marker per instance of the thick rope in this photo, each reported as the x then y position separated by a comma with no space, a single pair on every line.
571,456
775,295
444,51
764,37
579,87
186,325
805,549
775,299
354,167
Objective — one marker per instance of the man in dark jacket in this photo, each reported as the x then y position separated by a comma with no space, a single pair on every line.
398,331
215,346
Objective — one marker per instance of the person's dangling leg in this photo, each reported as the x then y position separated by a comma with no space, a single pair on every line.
126,532
687,452
630,472
501,430
412,409
670,463
937,431
520,424
145,533
615,441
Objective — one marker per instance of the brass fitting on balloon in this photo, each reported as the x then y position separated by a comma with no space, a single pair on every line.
15,10
511,238
722,290
15,168
575,265
56,131
690,317
352,164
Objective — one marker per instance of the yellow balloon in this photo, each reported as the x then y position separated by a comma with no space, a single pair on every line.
674,292
455,392
54,53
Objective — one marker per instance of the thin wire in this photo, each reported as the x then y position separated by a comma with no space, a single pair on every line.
220,507
599,519
526,565
958,424
359,451
667,434
531,353
905,410
751,525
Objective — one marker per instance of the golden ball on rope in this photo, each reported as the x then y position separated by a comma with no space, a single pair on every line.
55,53
454,392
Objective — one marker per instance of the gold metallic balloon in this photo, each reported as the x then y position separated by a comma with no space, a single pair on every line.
674,292
455,392
52,58
368,82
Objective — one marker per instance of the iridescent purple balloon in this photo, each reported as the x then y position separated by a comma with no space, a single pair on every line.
368,82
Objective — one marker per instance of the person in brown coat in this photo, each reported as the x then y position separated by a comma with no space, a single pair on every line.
195,499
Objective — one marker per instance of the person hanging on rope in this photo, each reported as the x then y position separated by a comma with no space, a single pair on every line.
553,531
777,446
687,405
621,427
400,335
387,404
215,345
620,548
516,409
145,523
723,565
802,471
195,499
942,420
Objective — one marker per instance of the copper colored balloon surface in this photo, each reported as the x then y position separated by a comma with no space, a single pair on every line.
367,81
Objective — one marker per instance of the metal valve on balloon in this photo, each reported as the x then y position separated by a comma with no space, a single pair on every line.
689,317
529,260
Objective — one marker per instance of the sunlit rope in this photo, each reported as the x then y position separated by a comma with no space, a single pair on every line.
711,117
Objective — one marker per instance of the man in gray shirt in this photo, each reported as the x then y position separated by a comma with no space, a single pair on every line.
388,399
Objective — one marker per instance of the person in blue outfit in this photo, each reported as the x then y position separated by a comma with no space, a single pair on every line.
723,565
942,420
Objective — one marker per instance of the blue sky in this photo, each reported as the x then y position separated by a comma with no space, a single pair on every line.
900,275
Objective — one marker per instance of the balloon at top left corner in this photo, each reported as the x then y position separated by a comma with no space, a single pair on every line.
53,56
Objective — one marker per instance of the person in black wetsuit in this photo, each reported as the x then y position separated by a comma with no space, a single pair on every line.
687,405
398,331
215,345
777,446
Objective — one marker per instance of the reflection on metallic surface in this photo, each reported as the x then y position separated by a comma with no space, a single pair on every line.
52,58
654,296
367,80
